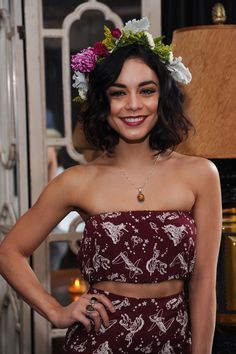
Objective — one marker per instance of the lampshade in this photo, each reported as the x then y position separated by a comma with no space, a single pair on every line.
210,54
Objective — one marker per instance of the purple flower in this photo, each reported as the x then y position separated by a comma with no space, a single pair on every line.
84,61
100,49
116,33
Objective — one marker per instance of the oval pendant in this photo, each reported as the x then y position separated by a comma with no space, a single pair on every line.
140,197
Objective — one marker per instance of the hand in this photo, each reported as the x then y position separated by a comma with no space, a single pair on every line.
64,317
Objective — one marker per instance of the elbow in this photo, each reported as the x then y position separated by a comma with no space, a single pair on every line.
8,258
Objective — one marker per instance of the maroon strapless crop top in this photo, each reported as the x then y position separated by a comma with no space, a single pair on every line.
138,246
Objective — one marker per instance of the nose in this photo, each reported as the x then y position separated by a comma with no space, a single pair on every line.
134,102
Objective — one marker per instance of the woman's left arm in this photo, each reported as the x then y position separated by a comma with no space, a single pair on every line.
202,287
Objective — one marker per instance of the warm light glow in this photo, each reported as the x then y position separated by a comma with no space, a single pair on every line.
77,283
77,286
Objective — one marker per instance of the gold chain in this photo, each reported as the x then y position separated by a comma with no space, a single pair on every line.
140,195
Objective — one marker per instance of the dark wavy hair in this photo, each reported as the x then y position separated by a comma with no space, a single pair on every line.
172,125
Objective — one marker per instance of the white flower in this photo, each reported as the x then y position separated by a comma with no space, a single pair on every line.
171,58
79,79
83,92
150,40
178,70
136,26
81,84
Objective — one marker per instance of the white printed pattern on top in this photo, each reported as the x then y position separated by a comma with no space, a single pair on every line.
177,227
155,264
132,267
114,231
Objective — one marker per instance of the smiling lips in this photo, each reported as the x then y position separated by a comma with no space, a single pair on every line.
134,121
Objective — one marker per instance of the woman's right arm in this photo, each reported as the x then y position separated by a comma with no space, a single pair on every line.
29,232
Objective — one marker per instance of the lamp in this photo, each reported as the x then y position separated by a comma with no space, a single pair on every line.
210,54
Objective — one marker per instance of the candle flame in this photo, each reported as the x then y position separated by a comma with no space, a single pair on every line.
77,283
77,286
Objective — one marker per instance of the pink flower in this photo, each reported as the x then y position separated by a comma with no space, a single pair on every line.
116,33
84,61
100,49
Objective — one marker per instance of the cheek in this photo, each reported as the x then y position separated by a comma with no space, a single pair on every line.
154,104
115,107
154,109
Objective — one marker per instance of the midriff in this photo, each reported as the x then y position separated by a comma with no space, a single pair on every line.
162,289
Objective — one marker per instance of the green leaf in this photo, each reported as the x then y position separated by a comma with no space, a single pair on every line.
78,99
109,41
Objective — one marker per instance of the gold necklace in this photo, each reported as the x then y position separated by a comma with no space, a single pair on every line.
140,196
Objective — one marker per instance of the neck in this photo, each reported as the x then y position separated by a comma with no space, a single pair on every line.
134,155
133,160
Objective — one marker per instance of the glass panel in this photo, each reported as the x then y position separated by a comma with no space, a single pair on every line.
67,283
54,11
82,35
53,83
127,10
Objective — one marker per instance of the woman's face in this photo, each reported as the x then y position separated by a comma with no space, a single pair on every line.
133,101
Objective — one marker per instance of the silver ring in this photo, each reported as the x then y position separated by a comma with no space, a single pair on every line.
89,309
93,300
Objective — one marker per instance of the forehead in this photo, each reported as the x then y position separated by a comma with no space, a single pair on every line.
135,71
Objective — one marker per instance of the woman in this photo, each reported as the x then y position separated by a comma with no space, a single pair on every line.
142,203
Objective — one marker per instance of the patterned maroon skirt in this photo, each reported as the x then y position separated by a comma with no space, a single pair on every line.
146,325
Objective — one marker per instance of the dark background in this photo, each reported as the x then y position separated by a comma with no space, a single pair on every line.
184,13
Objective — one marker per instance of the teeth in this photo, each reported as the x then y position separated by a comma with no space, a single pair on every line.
132,120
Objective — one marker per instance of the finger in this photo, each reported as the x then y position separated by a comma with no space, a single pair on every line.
93,314
106,302
102,313
97,311
78,315
86,322
96,320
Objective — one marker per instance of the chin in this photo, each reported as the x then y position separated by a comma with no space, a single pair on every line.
135,139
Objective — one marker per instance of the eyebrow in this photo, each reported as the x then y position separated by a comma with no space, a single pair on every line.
143,83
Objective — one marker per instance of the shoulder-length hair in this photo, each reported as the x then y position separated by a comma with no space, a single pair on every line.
172,125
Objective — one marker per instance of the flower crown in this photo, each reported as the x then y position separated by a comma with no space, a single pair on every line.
135,31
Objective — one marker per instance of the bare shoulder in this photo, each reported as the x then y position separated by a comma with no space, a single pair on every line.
66,192
200,172
197,166
76,177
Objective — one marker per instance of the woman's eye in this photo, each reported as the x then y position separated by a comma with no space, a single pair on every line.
117,93
148,91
